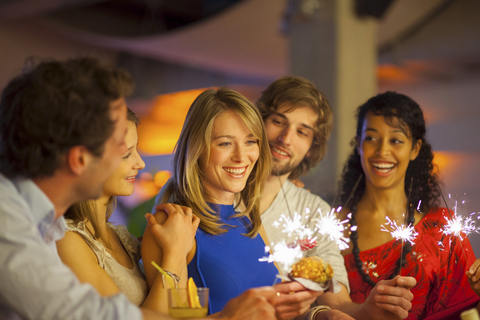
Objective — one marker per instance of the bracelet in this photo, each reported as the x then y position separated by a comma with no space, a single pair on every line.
312,313
176,279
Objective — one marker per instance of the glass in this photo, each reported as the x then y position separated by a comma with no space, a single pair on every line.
181,306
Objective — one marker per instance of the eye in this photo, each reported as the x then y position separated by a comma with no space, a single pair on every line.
303,133
396,141
224,144
277,121
127,156
252,142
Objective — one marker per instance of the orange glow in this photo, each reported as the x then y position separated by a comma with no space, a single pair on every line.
159,131
442,159
391,72
161,177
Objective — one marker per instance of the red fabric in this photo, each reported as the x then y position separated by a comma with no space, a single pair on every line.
436,261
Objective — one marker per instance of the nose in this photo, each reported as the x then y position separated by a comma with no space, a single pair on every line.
286,135
139,164
238,154
383,148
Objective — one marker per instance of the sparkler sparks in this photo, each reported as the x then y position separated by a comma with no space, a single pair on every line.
460,227
328,225
283,254
325,226
295,226
400,232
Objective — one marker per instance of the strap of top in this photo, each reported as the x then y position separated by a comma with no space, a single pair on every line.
96,246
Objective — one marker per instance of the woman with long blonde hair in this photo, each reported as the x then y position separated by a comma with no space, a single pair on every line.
222,159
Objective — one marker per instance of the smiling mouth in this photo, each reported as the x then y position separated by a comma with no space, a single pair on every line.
383,167
130,179
236,171
280,152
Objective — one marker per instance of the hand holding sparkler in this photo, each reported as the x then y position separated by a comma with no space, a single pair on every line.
293,299
390,299
473,275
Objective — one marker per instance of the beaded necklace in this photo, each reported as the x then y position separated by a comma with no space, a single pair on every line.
356,251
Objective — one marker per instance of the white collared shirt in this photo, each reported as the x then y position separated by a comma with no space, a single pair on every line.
34,283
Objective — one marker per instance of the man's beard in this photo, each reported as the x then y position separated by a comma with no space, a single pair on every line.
277,170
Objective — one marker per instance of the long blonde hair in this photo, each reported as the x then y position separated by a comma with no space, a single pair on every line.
187,187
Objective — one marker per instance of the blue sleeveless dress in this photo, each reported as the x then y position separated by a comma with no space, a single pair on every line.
228,263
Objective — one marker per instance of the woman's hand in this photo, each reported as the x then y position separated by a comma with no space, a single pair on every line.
293,299
173,227
253,304
390,299
473,275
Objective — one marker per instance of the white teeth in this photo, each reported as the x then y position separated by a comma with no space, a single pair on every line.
279,151
235,171
383,165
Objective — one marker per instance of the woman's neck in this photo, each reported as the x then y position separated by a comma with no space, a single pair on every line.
391,202
101,214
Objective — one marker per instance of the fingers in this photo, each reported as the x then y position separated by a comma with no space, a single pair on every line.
406,282
396,310
253,304
268,293
171,208
386,291
402,300
151,221
290,305
287,287
474,272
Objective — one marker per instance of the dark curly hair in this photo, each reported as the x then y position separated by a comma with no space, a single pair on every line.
54,106
299,91
398,110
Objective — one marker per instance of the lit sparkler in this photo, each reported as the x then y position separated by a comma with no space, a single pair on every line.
400,232
328,225
284,254
459,226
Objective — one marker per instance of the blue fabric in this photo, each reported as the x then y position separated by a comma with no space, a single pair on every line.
228,263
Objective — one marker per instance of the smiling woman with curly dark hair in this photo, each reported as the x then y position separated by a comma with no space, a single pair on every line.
390,176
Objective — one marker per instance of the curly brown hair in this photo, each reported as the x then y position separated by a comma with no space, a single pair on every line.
398,110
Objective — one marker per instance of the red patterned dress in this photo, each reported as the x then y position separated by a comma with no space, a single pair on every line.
436,261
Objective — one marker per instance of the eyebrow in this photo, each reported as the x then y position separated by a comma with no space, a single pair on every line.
306,126
231,137
375,130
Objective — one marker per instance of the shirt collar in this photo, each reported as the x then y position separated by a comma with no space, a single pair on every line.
42,210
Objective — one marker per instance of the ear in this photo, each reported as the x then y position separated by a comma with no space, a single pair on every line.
78,158
415,150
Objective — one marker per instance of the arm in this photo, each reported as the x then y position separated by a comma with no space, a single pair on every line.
79,257
168,239
390,299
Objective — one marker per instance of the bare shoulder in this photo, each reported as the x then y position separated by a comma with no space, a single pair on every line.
73,247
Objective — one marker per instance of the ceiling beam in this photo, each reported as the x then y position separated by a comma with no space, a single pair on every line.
23,9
